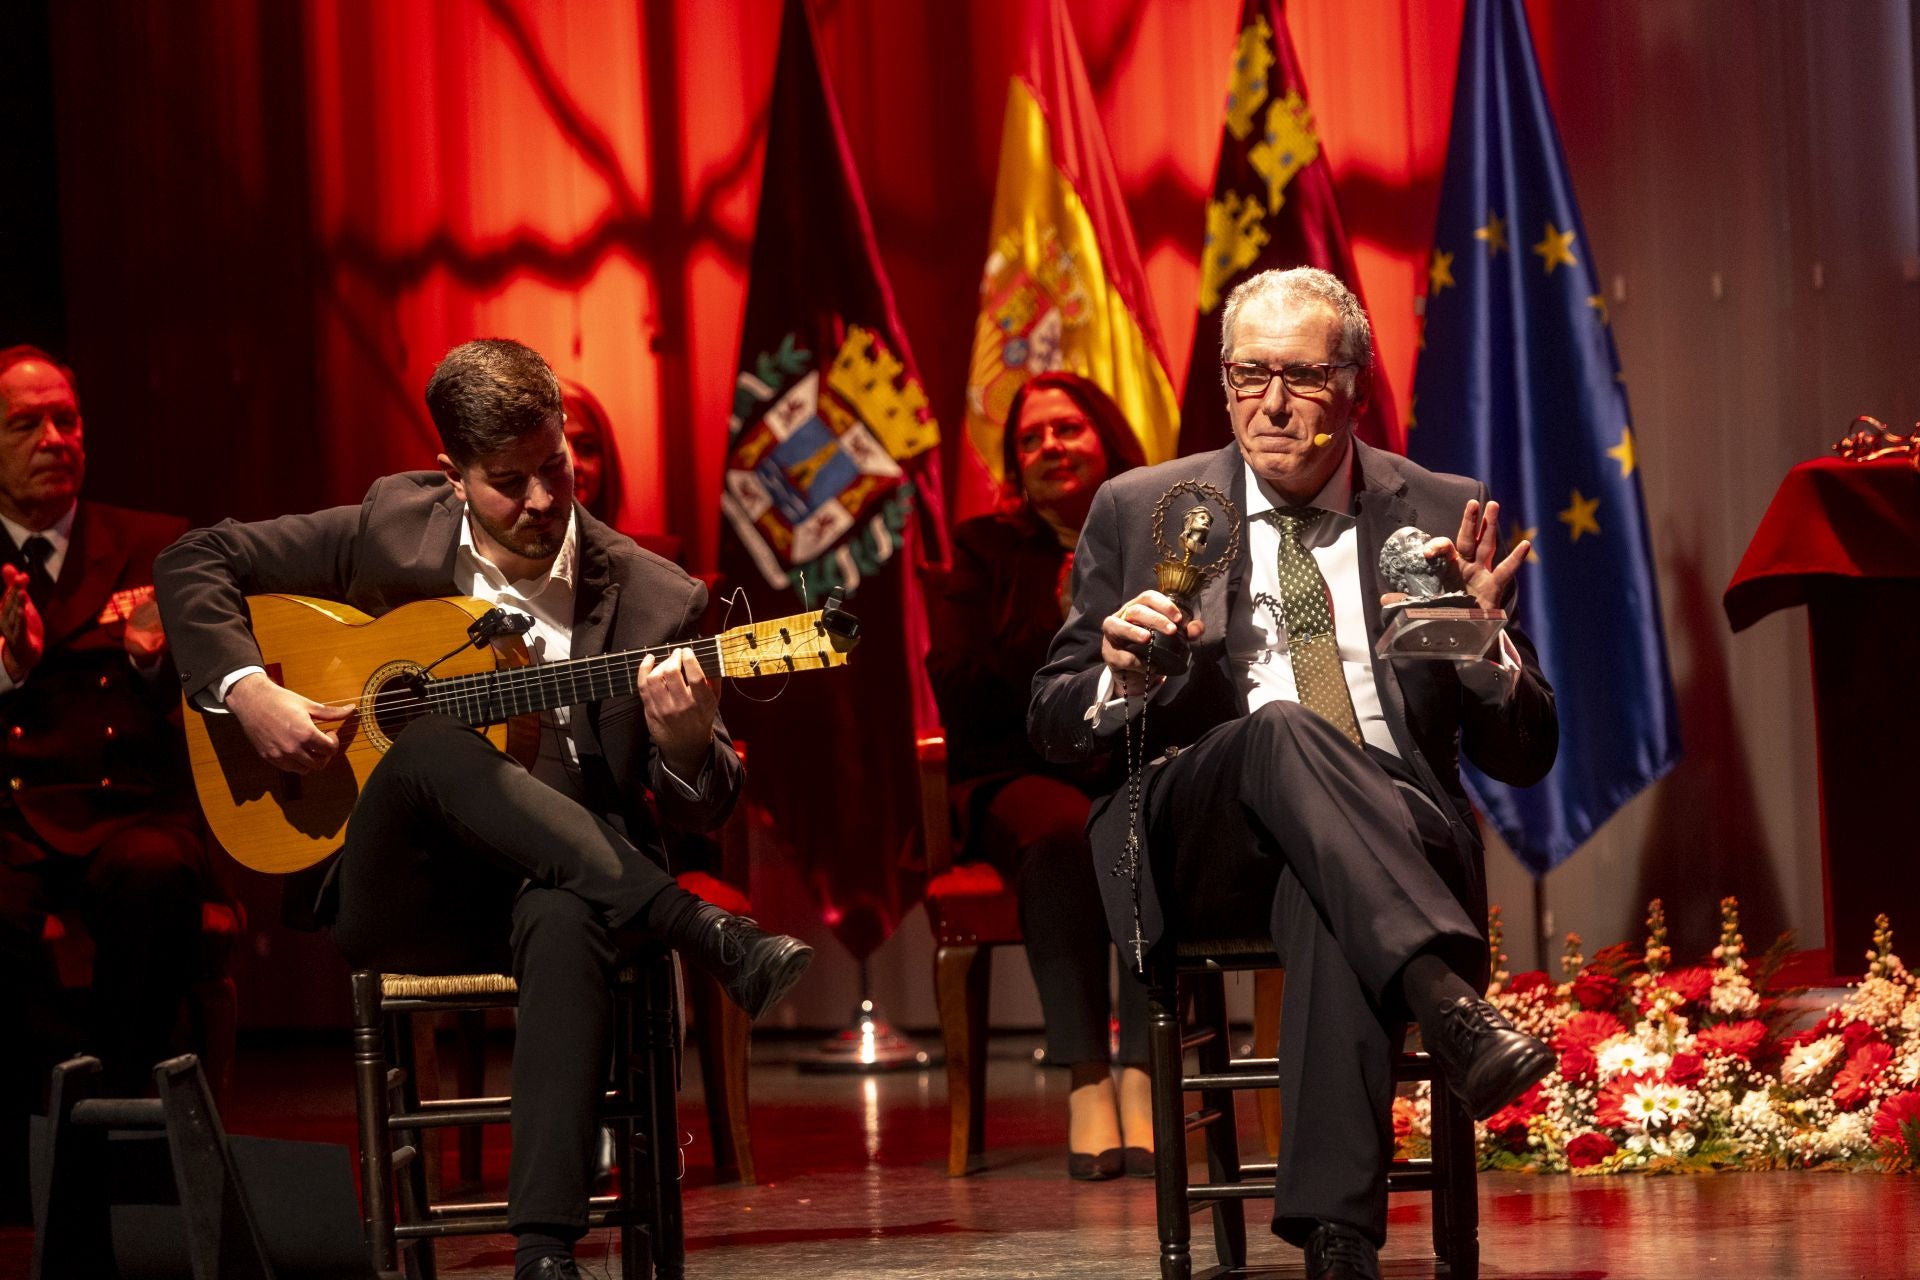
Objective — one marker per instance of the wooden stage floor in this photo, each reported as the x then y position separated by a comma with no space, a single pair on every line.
854,1185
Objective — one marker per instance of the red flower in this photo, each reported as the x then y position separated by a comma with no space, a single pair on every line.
1578,1063
1402,1119
1693,984
1898,1122
1586,1029
1732,1039
1857,1033
1531,980
1609,1109
1590,1149
1685,1069
1594,990
1854,1082
1509,1123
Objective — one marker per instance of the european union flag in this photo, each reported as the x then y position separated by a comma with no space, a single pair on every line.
1518,385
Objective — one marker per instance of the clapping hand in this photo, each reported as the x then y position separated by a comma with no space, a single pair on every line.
22,630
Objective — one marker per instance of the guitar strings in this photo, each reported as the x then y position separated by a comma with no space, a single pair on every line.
486,693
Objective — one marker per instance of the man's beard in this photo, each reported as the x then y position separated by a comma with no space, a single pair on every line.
529,542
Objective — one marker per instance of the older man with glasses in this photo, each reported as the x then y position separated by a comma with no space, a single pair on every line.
1294,772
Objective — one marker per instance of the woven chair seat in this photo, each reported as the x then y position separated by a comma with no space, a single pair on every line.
413,986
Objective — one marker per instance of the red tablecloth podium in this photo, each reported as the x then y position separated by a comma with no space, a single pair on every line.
1843,538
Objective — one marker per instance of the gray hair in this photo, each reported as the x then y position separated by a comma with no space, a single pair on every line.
1297,285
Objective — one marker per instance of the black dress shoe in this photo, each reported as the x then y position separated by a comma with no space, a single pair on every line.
1139,1162
1486,1061
1338,1252
549,1268
756,968
1109,1164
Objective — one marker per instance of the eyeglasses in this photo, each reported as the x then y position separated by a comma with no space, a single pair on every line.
1065,430
1301,379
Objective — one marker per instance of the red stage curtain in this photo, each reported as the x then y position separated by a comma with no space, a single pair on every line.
279,218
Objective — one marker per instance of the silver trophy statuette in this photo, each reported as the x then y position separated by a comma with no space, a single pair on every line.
1438,619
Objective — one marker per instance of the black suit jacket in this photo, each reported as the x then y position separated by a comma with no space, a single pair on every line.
1436,710
87,743
398,546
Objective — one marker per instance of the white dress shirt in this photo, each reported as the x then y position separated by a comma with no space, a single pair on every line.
1257,637
548,600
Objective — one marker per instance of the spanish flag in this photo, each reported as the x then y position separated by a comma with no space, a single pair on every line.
1063,286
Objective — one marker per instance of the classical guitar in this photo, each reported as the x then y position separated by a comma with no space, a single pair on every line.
457,656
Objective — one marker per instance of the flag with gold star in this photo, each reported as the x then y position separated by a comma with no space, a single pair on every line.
1273,205
1519,385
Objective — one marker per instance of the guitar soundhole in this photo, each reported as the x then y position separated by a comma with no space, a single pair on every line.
392,701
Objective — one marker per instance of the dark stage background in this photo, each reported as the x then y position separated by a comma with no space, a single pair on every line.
255,225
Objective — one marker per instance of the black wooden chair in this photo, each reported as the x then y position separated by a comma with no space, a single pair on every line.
1200,968
397,1207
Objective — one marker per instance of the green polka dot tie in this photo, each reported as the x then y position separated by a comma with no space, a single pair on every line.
1306,606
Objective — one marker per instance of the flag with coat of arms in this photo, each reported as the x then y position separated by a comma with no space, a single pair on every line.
832,480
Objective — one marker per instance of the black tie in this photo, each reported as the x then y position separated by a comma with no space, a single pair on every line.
39,582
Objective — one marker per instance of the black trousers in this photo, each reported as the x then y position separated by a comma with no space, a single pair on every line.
140,895
1277,816
1036,828
458,859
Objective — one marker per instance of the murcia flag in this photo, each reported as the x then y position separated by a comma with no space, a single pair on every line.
1273,206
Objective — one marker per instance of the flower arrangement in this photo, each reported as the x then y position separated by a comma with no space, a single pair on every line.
1691,1069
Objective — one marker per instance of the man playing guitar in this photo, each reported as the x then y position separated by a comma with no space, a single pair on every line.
457,857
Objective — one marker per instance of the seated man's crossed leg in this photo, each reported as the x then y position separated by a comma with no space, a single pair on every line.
451,841
1371,935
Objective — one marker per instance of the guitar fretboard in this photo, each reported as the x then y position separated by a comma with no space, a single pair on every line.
488,697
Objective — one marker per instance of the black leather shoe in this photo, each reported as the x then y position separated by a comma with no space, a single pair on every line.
1338,1252
755,967
1109,1164
1139,1162
549,1268
1486,1061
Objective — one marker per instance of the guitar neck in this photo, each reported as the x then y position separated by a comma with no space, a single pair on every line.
798,643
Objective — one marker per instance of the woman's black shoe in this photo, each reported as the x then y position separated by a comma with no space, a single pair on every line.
1107,1165
1139,1162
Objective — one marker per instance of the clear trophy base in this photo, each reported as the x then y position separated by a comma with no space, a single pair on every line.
1446,628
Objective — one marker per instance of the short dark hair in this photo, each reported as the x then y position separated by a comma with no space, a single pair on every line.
1116,437
488,393
25,351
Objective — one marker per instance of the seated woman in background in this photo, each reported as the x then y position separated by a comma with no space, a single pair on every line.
596,461
994,617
